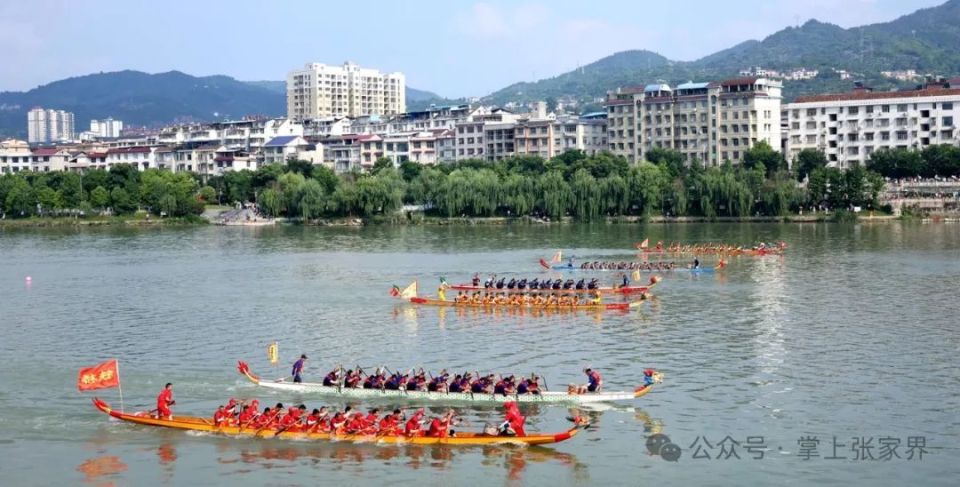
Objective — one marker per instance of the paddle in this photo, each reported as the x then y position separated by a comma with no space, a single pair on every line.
285,428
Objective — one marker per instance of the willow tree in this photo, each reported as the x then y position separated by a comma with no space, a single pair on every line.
615,195
312,199
586,195
555,194
520,193
647,183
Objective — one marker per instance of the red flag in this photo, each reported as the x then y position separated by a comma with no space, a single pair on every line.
100,376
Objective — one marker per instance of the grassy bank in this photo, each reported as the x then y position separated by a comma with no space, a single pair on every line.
39,221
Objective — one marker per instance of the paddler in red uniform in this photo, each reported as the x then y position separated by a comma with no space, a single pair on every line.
412,428
440,426
164,401
220,417
513,419
264,419
246,415
390,423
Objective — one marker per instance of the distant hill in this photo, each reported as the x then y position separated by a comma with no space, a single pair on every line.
141,99
275,86
925,40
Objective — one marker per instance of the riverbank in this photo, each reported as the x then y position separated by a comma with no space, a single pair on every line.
457,221
39,222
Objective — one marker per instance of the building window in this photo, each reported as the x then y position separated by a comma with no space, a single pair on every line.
886,109
948,121
901,108
902,135
947,105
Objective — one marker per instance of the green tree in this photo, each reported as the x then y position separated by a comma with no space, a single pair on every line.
327,178
208,194
807,160
670,160
21,199
312,199
896,163
762,155
940,160
586,195
49,199
271,200
304,168
100,197
121,201
555,194
382,163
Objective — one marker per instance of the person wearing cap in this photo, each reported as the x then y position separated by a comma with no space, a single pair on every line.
298,368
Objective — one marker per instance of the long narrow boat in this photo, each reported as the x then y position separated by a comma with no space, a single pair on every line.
777,250
601,289
570,268
545,397
531,306
191,423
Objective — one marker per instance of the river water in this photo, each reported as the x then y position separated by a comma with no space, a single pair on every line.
845,347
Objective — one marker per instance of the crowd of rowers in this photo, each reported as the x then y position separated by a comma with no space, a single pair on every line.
419,381
508,385
534,284
630,266
296,419
716,248
525,299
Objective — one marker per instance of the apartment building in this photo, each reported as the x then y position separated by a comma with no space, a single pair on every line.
623,122
849,127
706,122
535,138
321,90
45,126
17,156
107,128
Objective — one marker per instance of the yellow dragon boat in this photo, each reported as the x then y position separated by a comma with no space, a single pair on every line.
191,423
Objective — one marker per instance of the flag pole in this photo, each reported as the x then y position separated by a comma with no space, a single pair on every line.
120,385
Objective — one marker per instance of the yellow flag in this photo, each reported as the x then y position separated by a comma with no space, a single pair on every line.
636,275
410,291
273,353
557,257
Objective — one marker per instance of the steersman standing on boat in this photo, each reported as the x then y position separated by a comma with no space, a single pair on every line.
297,369
164,401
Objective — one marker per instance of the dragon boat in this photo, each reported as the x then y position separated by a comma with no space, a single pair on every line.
545,397
602,289
575,268
587,306
192,423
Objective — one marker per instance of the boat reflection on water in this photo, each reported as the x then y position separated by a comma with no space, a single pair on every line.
410,313
513,459
97,470
651,425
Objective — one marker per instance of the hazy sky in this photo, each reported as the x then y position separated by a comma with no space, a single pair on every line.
454,48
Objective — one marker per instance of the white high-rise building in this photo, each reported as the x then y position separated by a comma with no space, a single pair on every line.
710,123
320,90
849,127
45,126
107,128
